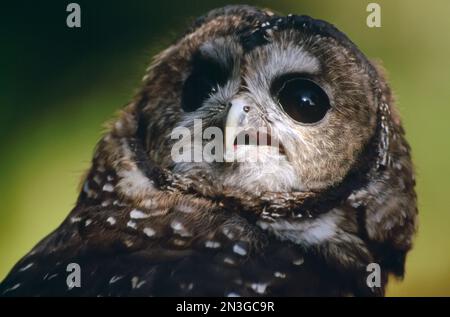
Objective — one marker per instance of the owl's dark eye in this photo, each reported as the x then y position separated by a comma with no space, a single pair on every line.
303,100
203,81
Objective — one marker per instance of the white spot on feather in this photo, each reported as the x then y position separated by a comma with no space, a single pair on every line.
137,214
48,277
26,267
135,283
279,275
131,224
149,232
115,278
239,249
12,288
111,221
176,225
179,228
259,288
298,261
75,219
128,243
228,260
108,188
212,244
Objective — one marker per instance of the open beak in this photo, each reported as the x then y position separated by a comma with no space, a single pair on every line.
238,132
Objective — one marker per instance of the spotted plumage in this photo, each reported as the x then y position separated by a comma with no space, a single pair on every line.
307,219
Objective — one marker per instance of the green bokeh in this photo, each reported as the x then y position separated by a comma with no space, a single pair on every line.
59,85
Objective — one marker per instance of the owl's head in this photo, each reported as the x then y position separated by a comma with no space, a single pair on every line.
258,102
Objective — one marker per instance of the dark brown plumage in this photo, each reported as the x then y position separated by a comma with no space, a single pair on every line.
341,197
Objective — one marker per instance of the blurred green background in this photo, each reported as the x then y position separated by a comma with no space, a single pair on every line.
59,85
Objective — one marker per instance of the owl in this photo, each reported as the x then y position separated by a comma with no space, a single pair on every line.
313,182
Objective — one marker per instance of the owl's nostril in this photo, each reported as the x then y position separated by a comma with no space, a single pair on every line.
246,108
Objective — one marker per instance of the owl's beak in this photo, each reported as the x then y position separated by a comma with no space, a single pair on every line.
236,120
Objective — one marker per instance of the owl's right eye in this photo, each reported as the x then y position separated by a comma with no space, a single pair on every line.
203,81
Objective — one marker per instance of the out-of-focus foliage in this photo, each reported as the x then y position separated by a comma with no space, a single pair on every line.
59,85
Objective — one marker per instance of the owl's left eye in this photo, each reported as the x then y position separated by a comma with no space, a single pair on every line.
303,100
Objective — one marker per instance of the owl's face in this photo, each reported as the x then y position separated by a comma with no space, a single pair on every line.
303,99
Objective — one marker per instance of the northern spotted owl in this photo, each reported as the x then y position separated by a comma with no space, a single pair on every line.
332,189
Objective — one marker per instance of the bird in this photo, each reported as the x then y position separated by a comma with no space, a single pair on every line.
331,191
